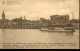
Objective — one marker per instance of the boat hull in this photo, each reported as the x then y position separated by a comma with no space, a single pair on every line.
44,29
60,31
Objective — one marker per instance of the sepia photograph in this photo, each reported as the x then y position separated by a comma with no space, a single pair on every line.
39,24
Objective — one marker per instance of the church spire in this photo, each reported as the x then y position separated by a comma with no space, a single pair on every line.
3,16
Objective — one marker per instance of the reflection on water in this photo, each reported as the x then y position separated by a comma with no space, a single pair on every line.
70,33
35,35
66,33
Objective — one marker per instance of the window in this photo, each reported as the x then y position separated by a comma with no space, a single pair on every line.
69,28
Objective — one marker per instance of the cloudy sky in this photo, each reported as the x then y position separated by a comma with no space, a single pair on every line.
41,8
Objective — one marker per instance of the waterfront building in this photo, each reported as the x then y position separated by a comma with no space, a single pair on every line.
19,23
75,23
44,22
59,19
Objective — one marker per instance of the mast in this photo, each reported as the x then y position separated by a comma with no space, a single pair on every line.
73,20
72,15
37,21
37,18
24,17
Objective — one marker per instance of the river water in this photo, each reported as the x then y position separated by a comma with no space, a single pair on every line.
37,36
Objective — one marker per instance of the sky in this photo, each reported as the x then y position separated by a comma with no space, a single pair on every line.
32,9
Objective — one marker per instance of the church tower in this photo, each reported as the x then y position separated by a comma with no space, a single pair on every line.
3,16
